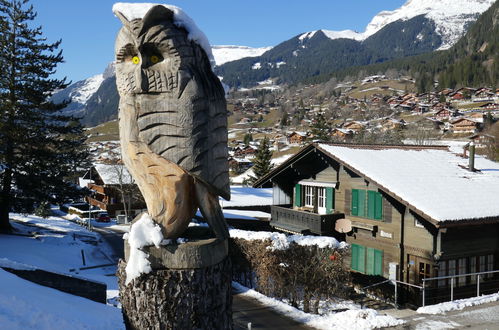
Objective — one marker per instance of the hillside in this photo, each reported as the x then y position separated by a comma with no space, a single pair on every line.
418,27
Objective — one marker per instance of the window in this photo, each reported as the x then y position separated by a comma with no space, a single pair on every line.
461,263
473,269
424,271
373,209
442,271
321,197
418,224
305,195
490,264
452,270
309,196
368,261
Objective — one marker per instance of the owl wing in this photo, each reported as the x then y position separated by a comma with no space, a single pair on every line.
190,129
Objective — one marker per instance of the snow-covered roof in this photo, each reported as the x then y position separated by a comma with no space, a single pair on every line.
110,174
432,180
247,196
138,10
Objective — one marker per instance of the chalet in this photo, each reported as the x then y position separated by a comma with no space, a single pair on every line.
443,114
483,95
297,137
342,134
408,212
465,125
106,181
239,165
483,140
392,124
355,126
242,152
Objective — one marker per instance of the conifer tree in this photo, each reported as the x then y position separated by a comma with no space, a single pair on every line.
40,148
262,162
320,128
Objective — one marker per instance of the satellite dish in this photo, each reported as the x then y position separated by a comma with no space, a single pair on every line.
343,226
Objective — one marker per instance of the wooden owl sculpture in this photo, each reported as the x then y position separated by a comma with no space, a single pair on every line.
173,122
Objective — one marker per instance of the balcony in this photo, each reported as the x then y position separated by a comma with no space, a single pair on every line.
295,221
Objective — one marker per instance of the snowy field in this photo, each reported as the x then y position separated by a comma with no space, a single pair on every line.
54,244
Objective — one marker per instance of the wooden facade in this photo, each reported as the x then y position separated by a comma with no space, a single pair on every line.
389,237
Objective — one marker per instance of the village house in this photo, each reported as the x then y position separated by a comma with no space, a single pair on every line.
465,125
297,137
106,182
355,126
342,134
408,212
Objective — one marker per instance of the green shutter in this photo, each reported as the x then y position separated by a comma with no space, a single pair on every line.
355,202
378,262
370,261
362,203
355,257
361,259
297,195
378,206
371,202
329,200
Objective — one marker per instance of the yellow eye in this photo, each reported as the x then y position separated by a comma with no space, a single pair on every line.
135,60
154,59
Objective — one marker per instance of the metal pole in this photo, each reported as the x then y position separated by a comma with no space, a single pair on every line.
478,285
451,288
396,300
424,291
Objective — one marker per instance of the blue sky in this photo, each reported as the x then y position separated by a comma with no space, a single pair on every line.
88,27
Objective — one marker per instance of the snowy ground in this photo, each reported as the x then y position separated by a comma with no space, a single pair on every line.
54,244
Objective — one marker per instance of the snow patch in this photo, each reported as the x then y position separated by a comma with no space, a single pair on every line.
256,66
138,10
88,88
224,54
281,241
458,304
144,232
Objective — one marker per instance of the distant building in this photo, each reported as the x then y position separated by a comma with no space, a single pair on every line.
105,182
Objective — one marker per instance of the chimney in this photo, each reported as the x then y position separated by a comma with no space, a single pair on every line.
472,157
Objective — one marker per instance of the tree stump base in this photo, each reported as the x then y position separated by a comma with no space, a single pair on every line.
188,288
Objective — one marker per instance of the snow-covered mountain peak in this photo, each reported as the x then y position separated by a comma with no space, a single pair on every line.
230,53
450,16
86,89
347,34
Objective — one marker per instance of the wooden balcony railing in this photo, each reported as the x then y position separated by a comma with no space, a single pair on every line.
302,222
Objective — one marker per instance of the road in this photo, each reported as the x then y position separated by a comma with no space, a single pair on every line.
244,309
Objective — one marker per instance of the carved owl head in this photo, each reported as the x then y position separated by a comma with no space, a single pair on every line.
153,55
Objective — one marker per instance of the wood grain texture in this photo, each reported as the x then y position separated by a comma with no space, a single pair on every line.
173,122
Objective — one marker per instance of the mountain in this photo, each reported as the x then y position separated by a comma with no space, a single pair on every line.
79,93
472,61
417,27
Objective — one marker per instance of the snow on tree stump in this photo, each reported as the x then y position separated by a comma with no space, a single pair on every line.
189,286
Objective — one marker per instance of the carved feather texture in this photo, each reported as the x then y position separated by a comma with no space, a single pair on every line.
173,123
